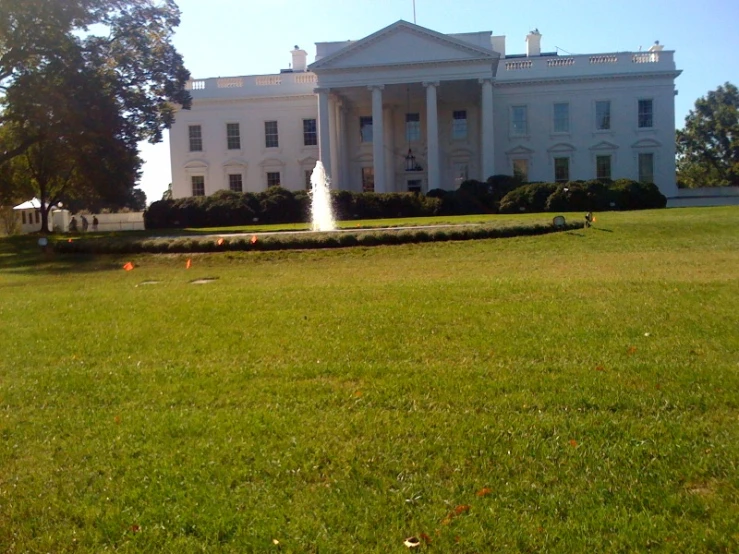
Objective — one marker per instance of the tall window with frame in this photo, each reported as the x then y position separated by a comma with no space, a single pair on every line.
561,117
273,179
233,136
195,134
271,137
603,115
414,185
459,124
412,127
365,128
368,179
646,167
521,169
561,169
519,120
198,185
310,134
646,114
603,167
235,182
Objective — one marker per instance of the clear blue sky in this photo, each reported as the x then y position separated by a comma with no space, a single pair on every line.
221,38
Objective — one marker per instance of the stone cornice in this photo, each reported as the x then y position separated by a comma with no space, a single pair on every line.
585,78
407,65
242,99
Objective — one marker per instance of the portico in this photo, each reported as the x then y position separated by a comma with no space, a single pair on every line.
387,106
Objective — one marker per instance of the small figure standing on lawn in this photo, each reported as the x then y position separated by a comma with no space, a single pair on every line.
94,223
73,225
588,219
85,224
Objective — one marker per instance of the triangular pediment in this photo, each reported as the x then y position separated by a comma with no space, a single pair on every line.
403,43
604,145
561,147
646,143
519,150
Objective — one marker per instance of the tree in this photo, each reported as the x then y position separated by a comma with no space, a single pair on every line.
76,103
708,146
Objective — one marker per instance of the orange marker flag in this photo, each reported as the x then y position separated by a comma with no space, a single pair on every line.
188,264
220,241
253,239
128,266
593,219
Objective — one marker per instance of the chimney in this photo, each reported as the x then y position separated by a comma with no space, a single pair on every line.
533,43
498,44
300,59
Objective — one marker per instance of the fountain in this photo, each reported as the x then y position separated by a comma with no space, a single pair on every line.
322,215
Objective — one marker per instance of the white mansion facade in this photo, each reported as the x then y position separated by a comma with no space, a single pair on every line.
408,108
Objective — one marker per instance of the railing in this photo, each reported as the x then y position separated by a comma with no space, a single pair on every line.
512,66
230,82
645,57
268,80
600,63
560,62
610,58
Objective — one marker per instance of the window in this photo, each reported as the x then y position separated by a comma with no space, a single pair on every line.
235,182
459,124
196,138
38,216
233,136
562,118
270,134
198,185
273,179
412,127
646,114
603,115
365,128
646,168
561,170
23,217
521,169
368,179
310,137
308,173
519,124
603,167
414,185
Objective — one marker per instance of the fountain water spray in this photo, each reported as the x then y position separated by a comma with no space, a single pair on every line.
322,215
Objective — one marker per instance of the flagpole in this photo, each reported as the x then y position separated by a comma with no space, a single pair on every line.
414,12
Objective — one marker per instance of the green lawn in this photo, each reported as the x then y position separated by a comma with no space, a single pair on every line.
572,392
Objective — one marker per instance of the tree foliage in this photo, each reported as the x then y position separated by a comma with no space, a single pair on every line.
82,82
708,146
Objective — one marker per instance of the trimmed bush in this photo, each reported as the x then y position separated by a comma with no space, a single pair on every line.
528,198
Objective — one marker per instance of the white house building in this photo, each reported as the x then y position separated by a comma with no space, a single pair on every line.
410,109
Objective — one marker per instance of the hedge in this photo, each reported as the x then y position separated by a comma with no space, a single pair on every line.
500,193
289,241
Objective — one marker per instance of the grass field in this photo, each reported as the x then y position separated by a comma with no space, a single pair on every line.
573,392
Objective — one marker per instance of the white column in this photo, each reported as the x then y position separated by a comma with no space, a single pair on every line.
432,136
345,179
324,130
390,185
334,126
378,138
488,132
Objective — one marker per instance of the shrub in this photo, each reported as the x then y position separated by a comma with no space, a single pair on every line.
528,198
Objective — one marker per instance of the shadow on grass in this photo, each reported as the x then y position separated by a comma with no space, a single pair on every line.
601,229
22,254
574,234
